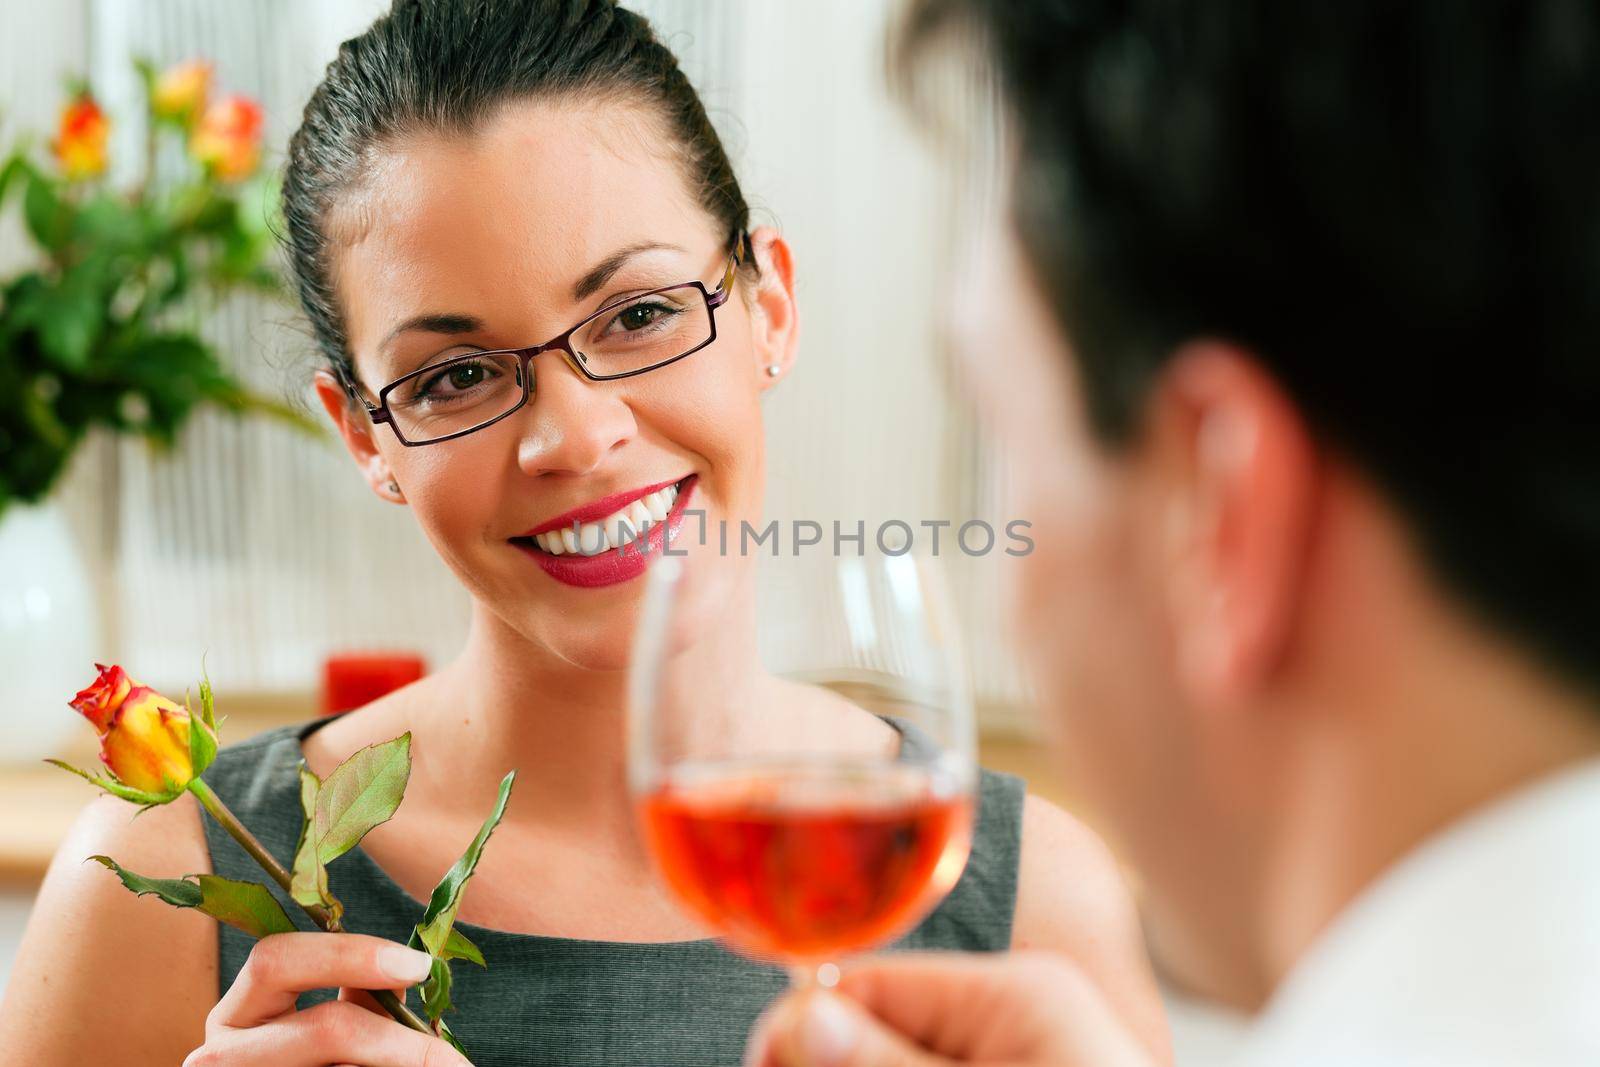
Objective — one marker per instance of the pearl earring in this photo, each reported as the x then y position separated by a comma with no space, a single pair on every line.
773,370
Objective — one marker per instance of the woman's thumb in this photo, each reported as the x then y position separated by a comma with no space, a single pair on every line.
824,1030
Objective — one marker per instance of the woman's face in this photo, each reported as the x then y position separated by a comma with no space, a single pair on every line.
505,238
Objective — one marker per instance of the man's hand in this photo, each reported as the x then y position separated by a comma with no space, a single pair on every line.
917,1010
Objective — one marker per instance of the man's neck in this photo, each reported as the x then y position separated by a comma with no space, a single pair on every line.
1362,789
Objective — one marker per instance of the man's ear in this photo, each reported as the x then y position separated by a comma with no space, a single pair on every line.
356,429
775,322
1240,468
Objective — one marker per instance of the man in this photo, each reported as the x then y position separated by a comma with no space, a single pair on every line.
1293,331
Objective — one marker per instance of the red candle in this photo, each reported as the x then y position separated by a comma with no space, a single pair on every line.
352,679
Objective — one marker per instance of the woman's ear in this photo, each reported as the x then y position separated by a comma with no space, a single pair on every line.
775,322
355,429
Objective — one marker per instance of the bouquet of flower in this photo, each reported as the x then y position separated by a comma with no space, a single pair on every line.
99,332
155,750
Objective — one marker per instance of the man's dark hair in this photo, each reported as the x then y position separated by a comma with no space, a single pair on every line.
446,66
1393,204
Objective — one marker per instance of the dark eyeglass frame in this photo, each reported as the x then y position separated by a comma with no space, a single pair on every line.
380,412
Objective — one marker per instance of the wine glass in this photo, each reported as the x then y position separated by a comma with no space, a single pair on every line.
801,748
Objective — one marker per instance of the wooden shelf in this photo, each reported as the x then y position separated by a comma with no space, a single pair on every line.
39,803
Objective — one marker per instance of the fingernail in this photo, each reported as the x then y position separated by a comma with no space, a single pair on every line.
404,964
827,1031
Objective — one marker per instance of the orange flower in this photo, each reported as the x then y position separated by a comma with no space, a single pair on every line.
181,90
103,697
144,737
228,139
80,144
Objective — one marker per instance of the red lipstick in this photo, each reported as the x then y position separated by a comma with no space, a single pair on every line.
614,565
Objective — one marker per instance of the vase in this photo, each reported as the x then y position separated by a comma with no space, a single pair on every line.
49,630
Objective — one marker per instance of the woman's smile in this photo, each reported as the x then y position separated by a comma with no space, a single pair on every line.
611,539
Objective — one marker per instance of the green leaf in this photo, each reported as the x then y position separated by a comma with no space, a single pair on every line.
178,892
202,746
117,789
441,1030
14,168
457,947
71,320
208,702
148,76
308,881
436,990
247,906
437,922
202,730
49,218
108,224
361,793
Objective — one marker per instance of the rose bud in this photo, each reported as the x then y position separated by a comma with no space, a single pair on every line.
228,139
181,90
144,737
80,144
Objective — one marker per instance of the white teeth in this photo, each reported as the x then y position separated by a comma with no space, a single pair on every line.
618,528
593,538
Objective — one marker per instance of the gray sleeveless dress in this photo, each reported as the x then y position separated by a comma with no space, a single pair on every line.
557,1001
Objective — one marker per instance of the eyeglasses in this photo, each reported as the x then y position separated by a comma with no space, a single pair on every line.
632,336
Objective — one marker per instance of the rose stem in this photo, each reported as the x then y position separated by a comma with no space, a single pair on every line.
319,915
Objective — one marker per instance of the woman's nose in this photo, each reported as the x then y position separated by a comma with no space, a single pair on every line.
570,423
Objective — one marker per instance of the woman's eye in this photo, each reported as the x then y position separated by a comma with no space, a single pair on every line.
454,381
465,377
638,317
641,316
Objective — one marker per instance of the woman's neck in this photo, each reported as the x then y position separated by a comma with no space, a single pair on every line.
504,704
507,703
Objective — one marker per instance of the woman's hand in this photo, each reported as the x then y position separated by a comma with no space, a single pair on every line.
256,1022
1021,1010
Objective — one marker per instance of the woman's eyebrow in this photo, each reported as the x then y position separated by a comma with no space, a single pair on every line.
435,323
586,286
601,273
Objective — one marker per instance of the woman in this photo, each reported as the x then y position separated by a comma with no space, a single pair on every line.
471,178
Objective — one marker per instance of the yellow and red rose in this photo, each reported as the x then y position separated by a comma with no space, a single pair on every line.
81,140
144,737
228,138
180,92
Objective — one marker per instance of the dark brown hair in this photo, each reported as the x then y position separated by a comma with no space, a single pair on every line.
1394,206
446,65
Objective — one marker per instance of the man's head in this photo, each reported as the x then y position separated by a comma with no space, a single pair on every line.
1292,331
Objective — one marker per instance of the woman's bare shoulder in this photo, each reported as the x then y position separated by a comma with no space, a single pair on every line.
103,976
1072,898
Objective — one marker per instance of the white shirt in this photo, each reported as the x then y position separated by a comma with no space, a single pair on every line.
1480,947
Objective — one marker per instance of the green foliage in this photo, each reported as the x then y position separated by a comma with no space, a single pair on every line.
436,933
245,905
96,334
308,878
202,730
361,793
117,789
